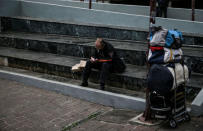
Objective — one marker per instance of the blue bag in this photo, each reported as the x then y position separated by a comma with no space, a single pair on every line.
165,38
174,39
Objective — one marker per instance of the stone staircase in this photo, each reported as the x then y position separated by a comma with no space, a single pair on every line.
47,37
53,48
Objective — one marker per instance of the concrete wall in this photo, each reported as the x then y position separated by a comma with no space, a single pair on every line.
185,14
98,17
10,8
175,13
81,15
197,105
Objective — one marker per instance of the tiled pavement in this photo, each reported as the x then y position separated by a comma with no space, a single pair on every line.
25,108
28,108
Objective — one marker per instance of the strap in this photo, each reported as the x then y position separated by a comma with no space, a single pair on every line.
171,55
154,48
103,60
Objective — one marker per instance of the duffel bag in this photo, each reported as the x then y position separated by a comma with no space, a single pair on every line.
180,74
164,55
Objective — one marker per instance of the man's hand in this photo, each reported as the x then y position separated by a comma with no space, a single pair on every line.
93,60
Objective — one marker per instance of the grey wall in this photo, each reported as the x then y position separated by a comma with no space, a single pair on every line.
9,8
175,13
81,15
185,14
197,105
98,17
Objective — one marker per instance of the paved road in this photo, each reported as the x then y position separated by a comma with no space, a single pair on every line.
28,108
25,108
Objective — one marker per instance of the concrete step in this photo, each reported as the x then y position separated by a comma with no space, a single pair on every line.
36,25
61,13
61,65
134,78
134,52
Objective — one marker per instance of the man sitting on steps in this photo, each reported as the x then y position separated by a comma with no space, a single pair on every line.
106,60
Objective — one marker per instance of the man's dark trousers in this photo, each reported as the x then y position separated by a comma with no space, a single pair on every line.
163,10
104,71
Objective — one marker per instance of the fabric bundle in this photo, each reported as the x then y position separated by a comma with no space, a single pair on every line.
165,56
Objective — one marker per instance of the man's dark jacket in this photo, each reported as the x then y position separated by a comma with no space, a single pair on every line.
118,64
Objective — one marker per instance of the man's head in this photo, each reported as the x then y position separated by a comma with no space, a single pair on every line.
99,44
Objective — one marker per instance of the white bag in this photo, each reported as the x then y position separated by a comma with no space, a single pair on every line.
165,56
180,74
172,55
159,38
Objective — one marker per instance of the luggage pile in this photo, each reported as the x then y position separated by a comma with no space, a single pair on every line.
165,46
167,76
166,59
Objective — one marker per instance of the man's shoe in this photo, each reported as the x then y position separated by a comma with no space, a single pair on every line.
84,84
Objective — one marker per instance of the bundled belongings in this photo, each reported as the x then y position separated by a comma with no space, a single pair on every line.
180,74
165,46
167,92
167,75
164,78
174,39
165,38
165,49
162,55
160,79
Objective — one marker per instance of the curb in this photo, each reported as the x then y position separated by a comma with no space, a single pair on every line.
92,95
197,105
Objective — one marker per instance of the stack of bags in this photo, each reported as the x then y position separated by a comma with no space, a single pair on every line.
165,56
165,46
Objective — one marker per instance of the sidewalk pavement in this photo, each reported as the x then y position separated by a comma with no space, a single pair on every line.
25,108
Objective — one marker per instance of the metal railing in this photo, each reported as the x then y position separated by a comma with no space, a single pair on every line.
152,6
193,10
90,3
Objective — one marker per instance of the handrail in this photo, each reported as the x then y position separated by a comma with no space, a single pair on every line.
90,4
193,10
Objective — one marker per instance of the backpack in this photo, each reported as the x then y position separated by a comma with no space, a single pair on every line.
166,38
174,39
160,79
158,36
162,55
180,74
119,65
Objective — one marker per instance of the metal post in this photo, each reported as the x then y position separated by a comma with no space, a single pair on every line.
152,11
0,24
193,10
90,4
147,113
